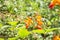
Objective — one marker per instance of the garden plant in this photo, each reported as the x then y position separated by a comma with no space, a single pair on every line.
29,19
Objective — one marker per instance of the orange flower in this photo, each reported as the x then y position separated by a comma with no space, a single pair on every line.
53,3
38,18
39,21
56,37
38,27
28,21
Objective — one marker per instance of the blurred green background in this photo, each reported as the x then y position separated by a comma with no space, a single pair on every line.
14,12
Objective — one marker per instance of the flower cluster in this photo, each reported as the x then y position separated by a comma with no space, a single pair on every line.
38,20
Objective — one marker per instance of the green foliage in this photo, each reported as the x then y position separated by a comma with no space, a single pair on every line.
11,38
44,31
14,12
39,31
13,23
1,25
1,39
6,33
50,30
23,33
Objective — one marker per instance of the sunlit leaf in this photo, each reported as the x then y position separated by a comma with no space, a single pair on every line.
39,31
14,23
44,30
11,38
1,39
50,30
49,23
1,25
23,33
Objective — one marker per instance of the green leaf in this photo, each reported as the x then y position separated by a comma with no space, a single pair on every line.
44,30
11,38
39,31
49,23
14,23
23,33
1,39
50,30
1,25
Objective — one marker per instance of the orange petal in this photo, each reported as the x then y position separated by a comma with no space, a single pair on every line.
27,25
51,6
38,17
40,23
38,27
